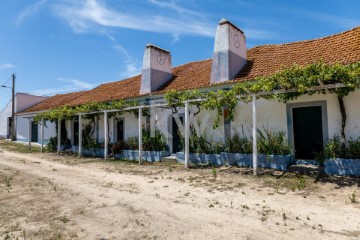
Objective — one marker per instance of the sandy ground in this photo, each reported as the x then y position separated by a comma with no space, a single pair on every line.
62,197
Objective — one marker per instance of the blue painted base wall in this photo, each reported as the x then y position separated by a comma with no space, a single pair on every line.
98,152
341,166
149,156
201,158
279,162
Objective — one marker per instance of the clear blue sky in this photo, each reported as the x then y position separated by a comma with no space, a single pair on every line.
57,46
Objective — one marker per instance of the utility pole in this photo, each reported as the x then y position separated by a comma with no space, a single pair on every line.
13,109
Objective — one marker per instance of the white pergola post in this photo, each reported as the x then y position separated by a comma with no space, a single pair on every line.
80,135
187,134
255,155
59,136
30,132
106,139
42,134
140,135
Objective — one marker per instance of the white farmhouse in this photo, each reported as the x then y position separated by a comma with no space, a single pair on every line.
309,120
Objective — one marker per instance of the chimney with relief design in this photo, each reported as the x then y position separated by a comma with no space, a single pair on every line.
229,52
156,69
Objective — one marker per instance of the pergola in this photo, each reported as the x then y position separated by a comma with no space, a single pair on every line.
186,125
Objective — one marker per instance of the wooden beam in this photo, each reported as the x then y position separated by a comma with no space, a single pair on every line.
80,135
254,132
187,134
42,134
59,136
140,135
30,133
106,139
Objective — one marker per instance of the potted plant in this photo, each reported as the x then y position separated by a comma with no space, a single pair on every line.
154,147
342,159
274,151
201,150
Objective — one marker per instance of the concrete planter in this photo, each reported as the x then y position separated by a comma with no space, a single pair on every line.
237,159
280,162
97,152
201,158
149,156
75,149
64,147
341,166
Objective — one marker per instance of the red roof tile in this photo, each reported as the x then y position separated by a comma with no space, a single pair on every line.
55,101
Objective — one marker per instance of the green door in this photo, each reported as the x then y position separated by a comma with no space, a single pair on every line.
308,134
34,132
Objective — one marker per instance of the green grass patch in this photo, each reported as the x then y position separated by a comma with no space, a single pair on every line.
18,147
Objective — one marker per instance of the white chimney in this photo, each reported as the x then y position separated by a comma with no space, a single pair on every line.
156,69
229,52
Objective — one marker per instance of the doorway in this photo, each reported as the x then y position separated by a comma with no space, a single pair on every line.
120,130
307,124
76,133
34,132
176,137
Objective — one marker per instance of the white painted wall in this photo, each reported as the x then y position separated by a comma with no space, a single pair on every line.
4,121
22,130
271,114
22,102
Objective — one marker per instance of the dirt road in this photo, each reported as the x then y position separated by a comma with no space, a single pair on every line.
47,197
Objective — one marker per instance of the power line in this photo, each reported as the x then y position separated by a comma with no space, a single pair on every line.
7,81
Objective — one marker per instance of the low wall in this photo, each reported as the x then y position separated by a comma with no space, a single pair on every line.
341,166
97,152
280,162
149,156
201,158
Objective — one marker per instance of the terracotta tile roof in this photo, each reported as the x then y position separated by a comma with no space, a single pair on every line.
266,60
110,91
187,76
55,101
262,61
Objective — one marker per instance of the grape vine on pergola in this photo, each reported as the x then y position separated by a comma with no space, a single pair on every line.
283,86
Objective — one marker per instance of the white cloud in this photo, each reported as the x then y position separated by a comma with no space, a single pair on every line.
175,7
132,69
29,11
132,65
87,15
73,85
176,37
7,66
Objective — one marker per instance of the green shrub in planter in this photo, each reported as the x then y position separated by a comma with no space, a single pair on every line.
237,144
199,144
272,143
342,161
51,146
333,148
156,143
